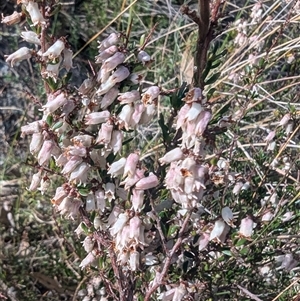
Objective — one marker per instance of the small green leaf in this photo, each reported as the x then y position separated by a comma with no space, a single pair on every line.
57,125
213,78
49,120
227,252
84,191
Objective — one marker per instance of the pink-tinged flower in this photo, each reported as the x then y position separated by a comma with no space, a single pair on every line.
55,50
112,62
135,224
122,238
70,207
109,97
137,199
175,154
246,227
90,259
181,117
202,122
71,164
35,14
113,215
80,173
80,229
86,86
123,257
227,216
88,244
136,116
148,114
134,260
131,163
110,189
52,105
117,168
30,37
105,132
125,115
189,186
116,141
14,18
120,74
287,216
90,204
36,180
60,194
135,78
44,185
105,54
203,241
237,188
150,95
46,152
97,117
85,140
36,143
112,39
194,111
267,216
179,293
285,119
67,108
193,95
102,77
77,150
21,54
129,97
100,199
31,128
132,180
218,230
99,157
143,57
148,182
52,70
120,223
68,63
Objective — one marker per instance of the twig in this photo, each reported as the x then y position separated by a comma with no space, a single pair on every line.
245,291
169,259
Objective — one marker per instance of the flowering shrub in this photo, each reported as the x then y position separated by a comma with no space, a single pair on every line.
160,228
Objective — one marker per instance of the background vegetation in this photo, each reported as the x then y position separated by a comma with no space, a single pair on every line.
251,85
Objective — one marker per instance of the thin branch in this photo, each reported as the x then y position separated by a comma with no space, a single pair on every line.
169,258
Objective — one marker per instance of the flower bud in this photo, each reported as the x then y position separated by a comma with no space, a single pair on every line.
129,97
112,39
143,57
23,53
151,94
97,117
117,168
131,163
112,62
246,227
105,54
35,14
148,182
12,19
68,63
55,50
109,97
30,37
53,104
